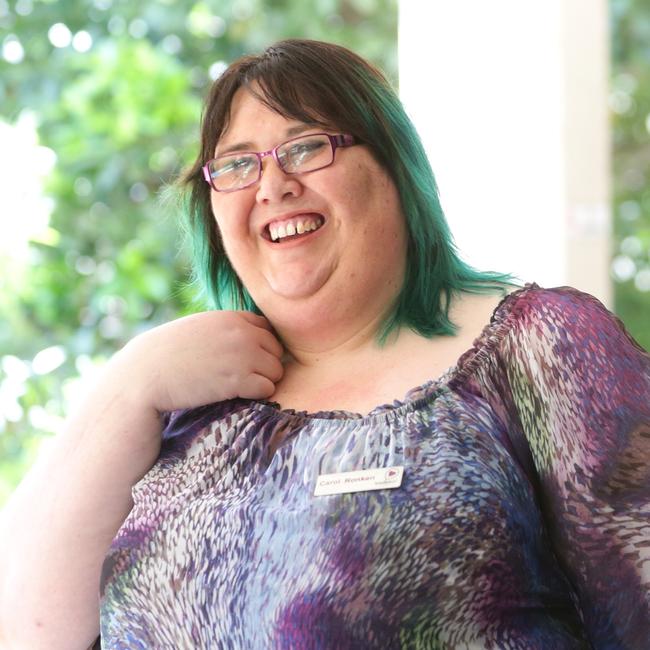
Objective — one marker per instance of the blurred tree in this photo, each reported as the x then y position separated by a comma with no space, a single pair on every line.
115,89
630,107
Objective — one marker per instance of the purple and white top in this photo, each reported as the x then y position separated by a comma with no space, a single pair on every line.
522,520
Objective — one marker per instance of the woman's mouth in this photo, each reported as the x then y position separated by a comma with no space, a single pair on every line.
293,227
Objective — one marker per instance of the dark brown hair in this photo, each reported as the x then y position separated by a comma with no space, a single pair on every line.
330,86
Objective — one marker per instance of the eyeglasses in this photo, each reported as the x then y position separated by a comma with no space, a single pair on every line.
308,153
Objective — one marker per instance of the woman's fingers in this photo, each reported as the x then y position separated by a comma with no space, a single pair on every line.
270,343
256,319
256,387
270,366
269,340
209,357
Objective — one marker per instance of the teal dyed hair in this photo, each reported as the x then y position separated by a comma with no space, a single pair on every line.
331,86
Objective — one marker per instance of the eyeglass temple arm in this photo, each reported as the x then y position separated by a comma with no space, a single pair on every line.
343,140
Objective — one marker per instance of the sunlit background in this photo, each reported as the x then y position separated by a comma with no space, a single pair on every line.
99,108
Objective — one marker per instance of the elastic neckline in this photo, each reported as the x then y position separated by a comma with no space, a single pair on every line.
482,348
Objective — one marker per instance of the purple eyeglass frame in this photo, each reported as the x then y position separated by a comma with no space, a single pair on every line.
336,141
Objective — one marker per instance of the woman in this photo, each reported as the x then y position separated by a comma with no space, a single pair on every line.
293,502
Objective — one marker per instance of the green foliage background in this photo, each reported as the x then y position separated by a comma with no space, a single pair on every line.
630,111
123,117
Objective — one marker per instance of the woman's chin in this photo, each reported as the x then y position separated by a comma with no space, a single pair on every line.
296,304
294,292
293,287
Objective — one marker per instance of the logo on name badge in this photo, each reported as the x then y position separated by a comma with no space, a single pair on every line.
380,478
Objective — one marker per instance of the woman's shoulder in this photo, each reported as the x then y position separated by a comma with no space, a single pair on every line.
550,327
561,321
533,297
525,306
564,307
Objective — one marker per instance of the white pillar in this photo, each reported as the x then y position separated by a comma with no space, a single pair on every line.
510,97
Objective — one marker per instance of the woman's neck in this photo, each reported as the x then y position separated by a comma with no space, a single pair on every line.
330,346
355,373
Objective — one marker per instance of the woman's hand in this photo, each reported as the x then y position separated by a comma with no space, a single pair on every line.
61,520
204,358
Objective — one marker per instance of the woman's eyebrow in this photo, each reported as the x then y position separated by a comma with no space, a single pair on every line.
249,146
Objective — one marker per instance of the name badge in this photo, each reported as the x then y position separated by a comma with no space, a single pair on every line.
380,478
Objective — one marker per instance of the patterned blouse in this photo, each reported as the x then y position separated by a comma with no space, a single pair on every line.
522,519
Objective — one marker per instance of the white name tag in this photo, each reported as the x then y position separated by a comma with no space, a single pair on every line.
381,478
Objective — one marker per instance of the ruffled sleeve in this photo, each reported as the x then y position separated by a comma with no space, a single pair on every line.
573,389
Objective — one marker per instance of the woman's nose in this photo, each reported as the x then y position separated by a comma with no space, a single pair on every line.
275,184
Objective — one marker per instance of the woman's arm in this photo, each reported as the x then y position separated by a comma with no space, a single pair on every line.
574,390
57,528
61,520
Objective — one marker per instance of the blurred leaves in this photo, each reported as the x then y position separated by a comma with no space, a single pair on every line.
630,110
115,89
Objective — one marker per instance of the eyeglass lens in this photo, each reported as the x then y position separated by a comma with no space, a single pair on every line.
296,156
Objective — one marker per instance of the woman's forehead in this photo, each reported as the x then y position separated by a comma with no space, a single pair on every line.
252,123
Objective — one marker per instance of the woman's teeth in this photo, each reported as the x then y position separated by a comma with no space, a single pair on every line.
294,226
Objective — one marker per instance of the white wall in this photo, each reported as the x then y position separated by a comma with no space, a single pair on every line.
510,97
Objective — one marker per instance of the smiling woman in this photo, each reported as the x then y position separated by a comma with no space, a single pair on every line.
301,283
384,448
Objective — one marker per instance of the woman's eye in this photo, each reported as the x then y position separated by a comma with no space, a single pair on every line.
237,165
305,148
242,163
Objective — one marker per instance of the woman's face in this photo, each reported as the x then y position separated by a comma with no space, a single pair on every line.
351,256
